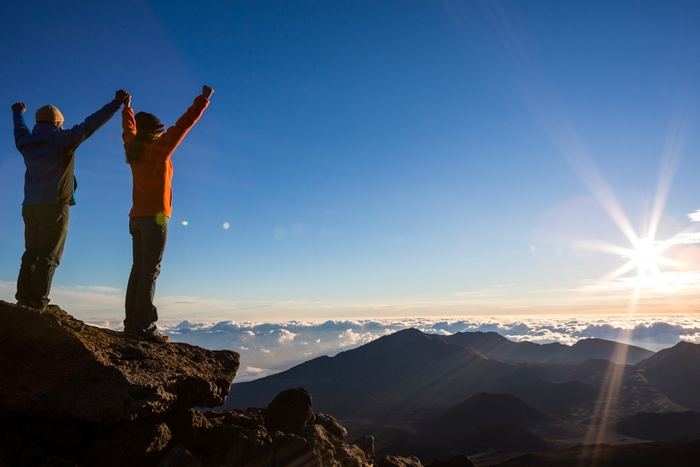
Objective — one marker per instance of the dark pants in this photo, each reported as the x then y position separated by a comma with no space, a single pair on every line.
149,235
45,232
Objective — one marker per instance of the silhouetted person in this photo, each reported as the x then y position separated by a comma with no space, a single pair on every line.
49,188
148,149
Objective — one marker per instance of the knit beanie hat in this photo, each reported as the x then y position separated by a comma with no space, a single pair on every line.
49,113
148,123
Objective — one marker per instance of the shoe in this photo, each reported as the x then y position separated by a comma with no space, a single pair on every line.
158,338
154,336
30,304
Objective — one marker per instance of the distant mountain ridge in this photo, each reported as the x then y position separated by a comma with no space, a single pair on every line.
676,372
405,365
435,395
411,365
497,347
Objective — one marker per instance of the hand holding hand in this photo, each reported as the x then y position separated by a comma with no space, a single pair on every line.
127,100
19,106
120,95
207,91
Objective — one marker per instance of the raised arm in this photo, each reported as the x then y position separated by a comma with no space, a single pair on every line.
128,121
80,133
176,133
21,128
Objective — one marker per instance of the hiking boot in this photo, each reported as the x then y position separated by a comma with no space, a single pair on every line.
154,336
31,304
158,338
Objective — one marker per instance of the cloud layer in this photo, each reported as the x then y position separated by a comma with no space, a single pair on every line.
267,348
273,346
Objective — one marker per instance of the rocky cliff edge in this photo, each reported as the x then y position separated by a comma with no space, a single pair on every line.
75,395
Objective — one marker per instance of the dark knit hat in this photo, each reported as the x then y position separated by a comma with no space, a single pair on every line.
148,123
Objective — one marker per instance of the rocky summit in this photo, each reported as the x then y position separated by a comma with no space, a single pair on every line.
74,395
55,365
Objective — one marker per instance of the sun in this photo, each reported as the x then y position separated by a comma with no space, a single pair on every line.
646,257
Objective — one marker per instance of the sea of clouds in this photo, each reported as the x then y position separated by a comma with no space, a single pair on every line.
271,347
268,348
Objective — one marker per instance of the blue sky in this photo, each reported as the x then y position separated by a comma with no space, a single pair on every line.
374,159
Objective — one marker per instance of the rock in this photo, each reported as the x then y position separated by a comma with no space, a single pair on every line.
331,425
187,426
398,461
179,457
215,442
136,444
250,419
289,412
291,449
456,461
253,449
350,455
366,443
55,365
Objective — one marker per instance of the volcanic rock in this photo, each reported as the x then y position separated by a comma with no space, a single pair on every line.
397,461
55,365
456,461
289,412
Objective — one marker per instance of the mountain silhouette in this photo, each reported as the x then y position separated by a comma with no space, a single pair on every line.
405,366
435,395
676,373
497,347
484,410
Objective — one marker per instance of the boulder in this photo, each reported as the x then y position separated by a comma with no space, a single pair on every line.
179,456
366,444
398,461
456,461
136,444
55,365
289,412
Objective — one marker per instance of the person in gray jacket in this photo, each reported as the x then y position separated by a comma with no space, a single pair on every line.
49,188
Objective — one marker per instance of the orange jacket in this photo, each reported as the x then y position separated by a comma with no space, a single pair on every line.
152,193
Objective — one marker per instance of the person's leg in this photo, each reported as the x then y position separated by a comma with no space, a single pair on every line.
134,276
154,236
31,251
53,222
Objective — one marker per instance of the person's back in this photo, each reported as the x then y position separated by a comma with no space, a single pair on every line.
49,188
148,148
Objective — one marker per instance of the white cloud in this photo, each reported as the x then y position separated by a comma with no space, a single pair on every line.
694,216
687,238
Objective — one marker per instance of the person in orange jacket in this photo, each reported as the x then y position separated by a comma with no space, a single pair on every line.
148,149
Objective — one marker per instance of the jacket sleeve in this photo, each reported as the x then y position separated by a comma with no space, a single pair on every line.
21,128
79,133
173,137
128,125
